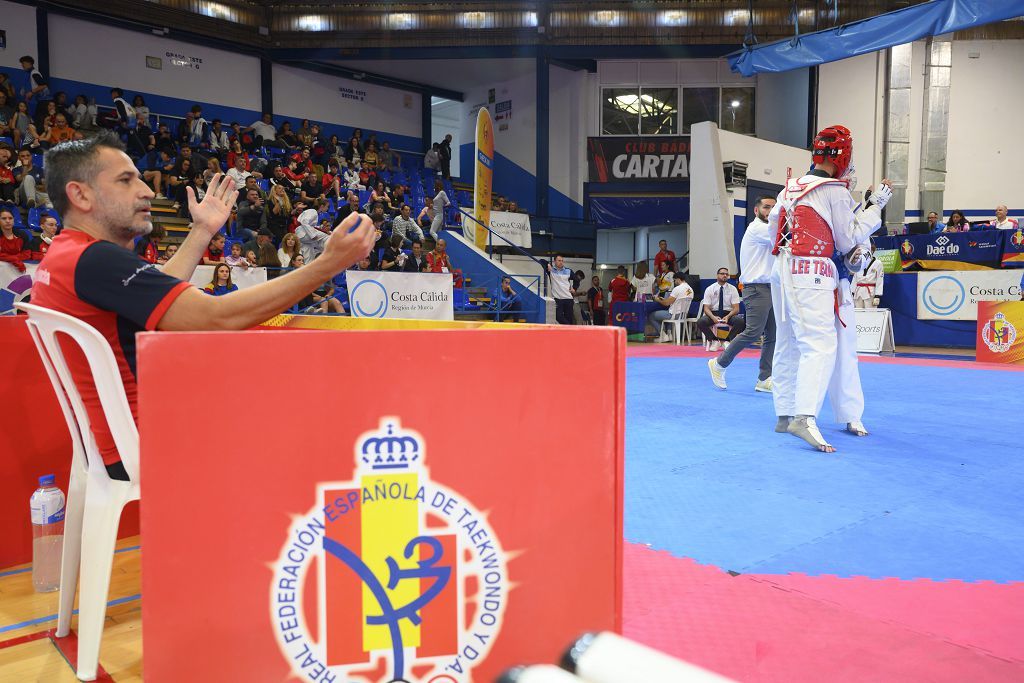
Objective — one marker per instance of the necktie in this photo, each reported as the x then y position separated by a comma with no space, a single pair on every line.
721,298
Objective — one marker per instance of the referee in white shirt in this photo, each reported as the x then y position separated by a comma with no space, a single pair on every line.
756,262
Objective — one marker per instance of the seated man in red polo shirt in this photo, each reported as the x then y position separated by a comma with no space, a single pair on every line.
90,271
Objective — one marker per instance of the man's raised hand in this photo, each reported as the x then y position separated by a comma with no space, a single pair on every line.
349,243
212,213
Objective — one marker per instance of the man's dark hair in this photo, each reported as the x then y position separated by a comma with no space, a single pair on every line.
216,120
28,58
196,108
621,269
760,202
415,242
75,161
120,93
663,241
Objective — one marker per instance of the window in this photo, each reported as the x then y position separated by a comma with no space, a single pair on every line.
659,111
738,110
620,111
699,104
639,111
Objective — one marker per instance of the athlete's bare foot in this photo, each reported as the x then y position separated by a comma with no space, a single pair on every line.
805,427
783,423
857,428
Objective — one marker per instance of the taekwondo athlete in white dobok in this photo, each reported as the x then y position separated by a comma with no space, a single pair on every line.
813,220
868,283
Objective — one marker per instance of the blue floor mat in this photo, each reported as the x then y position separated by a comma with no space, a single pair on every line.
934,492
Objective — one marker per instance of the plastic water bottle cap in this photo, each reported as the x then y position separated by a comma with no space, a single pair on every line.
46,480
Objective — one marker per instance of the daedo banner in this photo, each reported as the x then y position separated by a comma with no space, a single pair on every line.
373,294
638,159
954,295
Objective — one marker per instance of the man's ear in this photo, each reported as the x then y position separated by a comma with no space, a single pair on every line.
79,195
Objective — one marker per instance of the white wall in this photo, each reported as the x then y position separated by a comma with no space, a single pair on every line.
20,23
514,138
118,58
307,94
986,149
567,139
781,107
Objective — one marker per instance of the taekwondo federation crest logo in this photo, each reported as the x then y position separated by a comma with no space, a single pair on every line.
390,577
999,334
907,248
1017,238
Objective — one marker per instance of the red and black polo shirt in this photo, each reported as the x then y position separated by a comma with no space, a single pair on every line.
116,292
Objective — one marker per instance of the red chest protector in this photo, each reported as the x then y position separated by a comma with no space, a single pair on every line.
800,227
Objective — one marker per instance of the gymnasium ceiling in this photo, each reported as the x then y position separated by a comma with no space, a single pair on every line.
357,29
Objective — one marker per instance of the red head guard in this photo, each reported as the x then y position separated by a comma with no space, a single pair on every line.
834,144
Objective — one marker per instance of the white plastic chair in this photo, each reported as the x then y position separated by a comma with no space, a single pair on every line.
95,501
678,324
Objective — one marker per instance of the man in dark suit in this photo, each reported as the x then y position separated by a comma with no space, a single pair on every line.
445,152
417,262
351,207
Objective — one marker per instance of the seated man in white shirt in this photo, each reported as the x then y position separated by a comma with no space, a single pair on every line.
676,304
238,174
1002,222
720,306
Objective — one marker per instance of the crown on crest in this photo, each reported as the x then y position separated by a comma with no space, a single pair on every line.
390,447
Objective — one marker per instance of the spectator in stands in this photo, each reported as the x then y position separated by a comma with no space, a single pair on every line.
169,251
381,196
14,248
31,182
47,231
218,141
957,222
21,127
441,204
45,118
252,215
438,260
1002,222
251,184
561,290
238,172
305,134
184,132
393,259
351,176
642,283
426,215
61,132
264,132
279,212
286,138
595,302
417,261
311,238
664,254
6,114
331,181
621,289
294,175
182,174
214,253
255,245
405,226
353,152
267,257
236,152
499,203
351,205
721,307
148,248
509,303
143,142
81,117
221,283
6,87
445,154
389,158
7,183
303,160
664,283
676,304
311,189
934,225
289,249
141,110
371,158
513,207
35,85
298,261
165,141
235,258
432,159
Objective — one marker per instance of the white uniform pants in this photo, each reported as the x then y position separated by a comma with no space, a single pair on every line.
844,390
805,346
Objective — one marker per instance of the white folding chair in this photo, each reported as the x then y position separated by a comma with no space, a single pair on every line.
95,501
678,324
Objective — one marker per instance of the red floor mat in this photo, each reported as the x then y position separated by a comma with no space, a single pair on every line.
753,629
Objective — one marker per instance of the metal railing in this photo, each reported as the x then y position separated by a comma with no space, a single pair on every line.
495,308
490,247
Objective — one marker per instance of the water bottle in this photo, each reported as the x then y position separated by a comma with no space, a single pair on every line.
47,535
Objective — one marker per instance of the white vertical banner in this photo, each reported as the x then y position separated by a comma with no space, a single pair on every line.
426,296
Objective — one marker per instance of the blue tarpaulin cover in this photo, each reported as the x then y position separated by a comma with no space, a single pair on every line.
870,35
